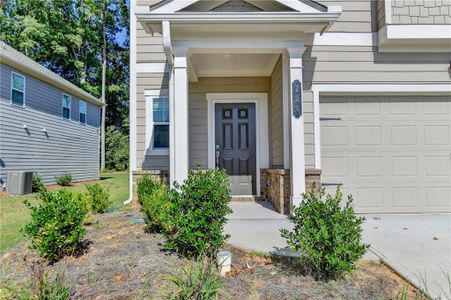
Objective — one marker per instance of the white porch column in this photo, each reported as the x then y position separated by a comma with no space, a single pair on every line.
297,151
179,153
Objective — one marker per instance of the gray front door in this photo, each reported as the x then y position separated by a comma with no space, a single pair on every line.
235,145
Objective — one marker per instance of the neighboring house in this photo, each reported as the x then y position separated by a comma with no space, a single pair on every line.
47,124
285,93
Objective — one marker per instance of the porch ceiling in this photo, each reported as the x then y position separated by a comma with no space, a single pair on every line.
233,65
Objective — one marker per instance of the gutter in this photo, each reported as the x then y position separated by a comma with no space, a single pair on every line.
23,63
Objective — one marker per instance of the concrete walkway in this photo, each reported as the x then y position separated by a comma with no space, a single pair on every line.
417,246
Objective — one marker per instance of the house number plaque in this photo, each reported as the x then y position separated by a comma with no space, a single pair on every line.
297,98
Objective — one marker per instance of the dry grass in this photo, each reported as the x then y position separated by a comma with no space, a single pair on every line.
124,262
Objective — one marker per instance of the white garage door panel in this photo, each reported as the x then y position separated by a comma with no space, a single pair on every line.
393,154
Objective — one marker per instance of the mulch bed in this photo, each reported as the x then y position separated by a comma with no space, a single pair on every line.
122,261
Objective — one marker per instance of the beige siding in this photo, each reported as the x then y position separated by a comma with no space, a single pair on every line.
236,6
275,110
421,12
356,16
198,130
347,64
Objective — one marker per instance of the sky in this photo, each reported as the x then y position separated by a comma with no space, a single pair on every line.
121,37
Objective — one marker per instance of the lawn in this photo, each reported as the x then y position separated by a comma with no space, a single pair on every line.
14,214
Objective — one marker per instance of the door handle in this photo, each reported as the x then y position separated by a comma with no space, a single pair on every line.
217,156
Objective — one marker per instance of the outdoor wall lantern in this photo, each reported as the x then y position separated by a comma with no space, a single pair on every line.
297,98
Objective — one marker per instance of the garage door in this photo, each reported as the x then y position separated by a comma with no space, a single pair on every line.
393,154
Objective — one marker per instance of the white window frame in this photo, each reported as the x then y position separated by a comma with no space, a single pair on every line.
150,150
62,106
80,112
12,88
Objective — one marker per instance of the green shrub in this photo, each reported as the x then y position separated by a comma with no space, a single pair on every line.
64,179
199,280
326,235
199,212
56,226
37,183
99,197
146,185
41,288
157,209
116,143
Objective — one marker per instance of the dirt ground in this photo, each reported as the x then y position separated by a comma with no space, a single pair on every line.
122,261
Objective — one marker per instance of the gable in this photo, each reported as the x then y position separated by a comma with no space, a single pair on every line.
174,6
236,6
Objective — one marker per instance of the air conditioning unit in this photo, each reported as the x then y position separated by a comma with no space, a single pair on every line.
19,183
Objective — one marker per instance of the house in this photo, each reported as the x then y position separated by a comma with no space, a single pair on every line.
47,125
287,93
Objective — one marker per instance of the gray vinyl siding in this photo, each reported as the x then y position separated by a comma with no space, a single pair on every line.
68,147
45,98
355,17
421,12
275,110
198,127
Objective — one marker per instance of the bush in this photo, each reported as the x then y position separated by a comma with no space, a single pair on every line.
64,180
199,212
146,185
37,183
42,288
99,197
56,226
157,209
199,280
116,144
327,236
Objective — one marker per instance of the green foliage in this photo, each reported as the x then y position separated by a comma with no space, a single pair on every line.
99,197
146,185
64,180
157,208
41,288
37,183
116,143
199,212
199,280
326,235
56,226
66,36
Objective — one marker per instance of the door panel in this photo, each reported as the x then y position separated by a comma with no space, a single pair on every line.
393,154
235,144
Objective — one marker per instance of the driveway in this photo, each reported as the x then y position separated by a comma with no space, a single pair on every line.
416,246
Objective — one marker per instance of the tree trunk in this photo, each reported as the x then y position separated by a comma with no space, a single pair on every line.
102,149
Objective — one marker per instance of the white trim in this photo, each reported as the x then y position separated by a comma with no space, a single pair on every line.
297,143
150,67
150,150
12,88
368,89
132,91
26,65
62,106
262,138
416,31
388,12
415,89
177,5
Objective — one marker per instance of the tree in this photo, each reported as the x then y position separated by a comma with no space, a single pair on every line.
66,36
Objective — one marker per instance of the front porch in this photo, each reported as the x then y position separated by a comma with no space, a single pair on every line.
236,98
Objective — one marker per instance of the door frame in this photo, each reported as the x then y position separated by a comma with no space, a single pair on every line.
261,123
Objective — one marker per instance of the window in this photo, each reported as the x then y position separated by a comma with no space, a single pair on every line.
160,119
66,106
17,89
82,111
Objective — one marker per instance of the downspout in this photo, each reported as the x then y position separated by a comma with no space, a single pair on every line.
167,46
